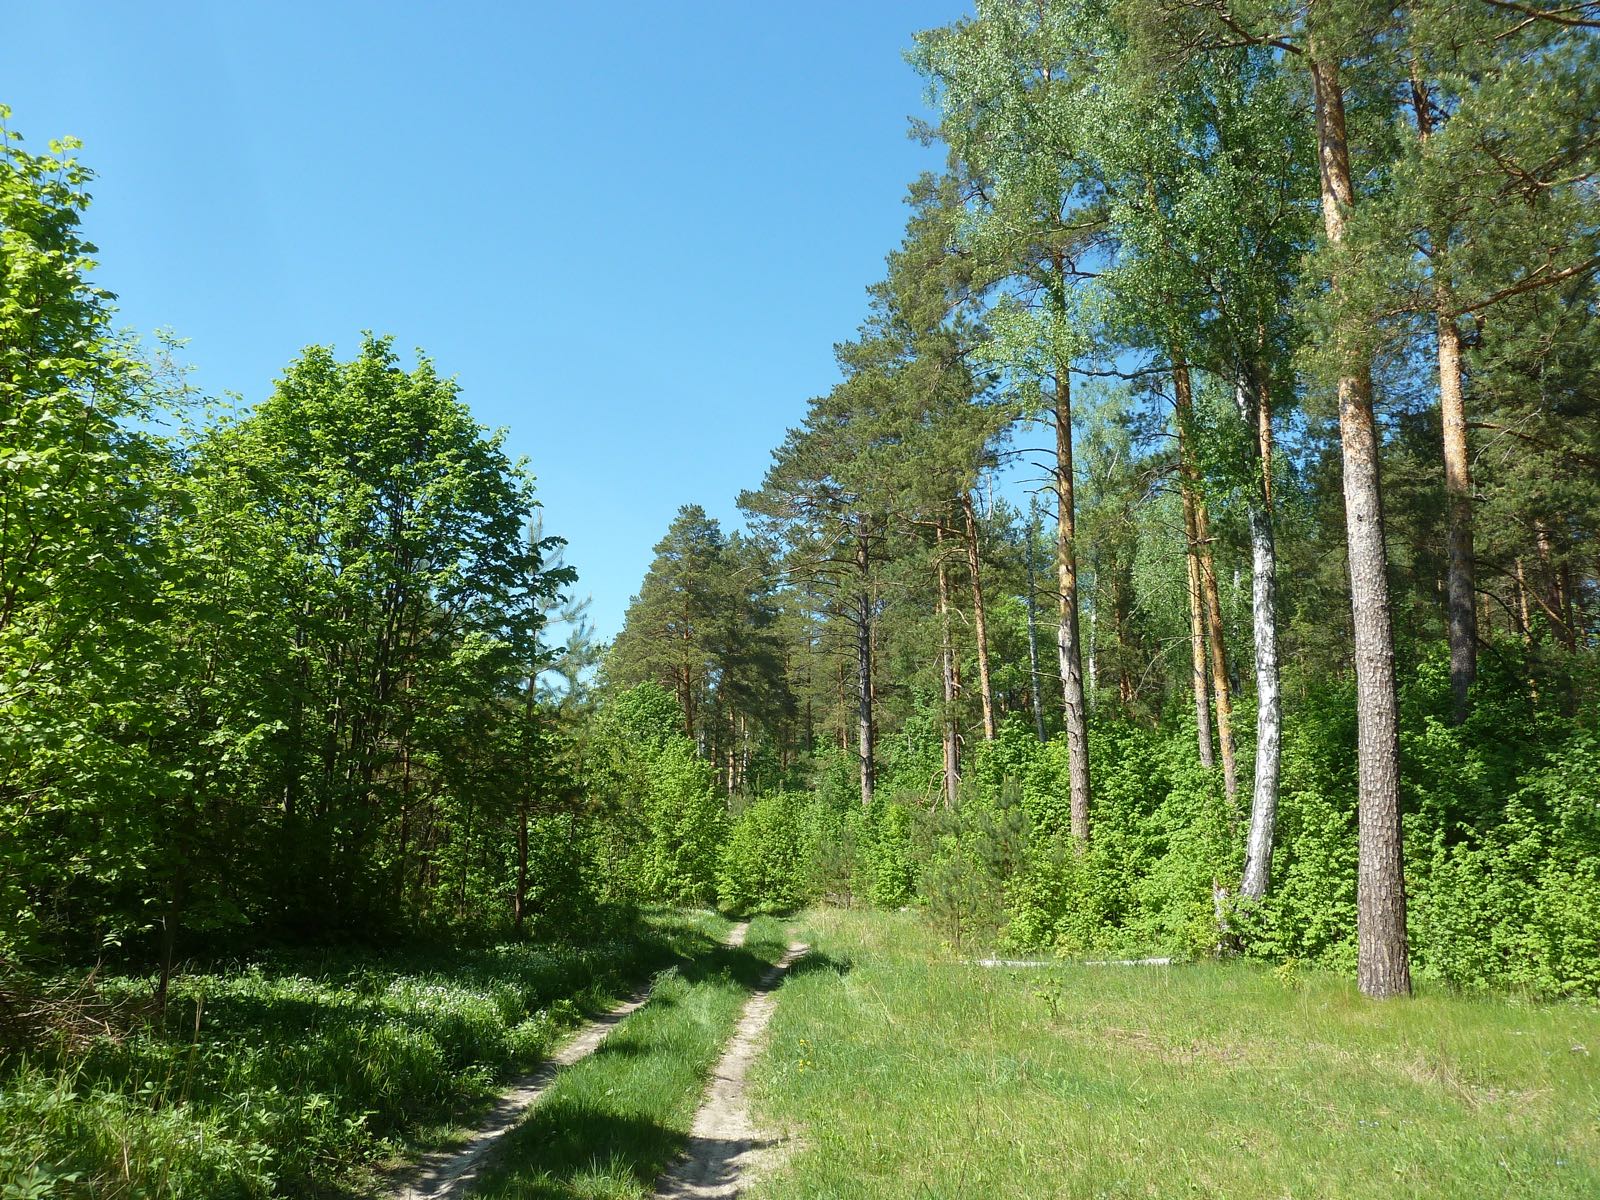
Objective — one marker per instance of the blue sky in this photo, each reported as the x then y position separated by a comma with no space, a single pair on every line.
633,231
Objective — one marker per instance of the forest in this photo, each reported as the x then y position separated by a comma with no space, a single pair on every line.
1197,561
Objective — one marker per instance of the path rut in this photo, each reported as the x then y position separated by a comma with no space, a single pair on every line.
724,1144
451,1173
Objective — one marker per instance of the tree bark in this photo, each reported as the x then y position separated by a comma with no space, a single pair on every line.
1251,398
1033,625
1458,489
1068,642
1122,610
1382,960
1462,607
1197,620
519,904
864,728
1206,562
947,672
980,623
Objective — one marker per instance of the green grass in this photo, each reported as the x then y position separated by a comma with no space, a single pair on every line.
308,1073
613,1122
902,1072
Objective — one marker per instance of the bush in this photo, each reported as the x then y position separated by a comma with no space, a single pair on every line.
763,867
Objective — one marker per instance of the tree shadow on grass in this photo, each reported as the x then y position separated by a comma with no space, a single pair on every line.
565,1144
817,963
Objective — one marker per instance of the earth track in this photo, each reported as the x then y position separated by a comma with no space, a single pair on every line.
725,1149
450,1174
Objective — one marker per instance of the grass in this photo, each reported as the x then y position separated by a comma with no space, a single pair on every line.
612,1123
904,1072
301,1076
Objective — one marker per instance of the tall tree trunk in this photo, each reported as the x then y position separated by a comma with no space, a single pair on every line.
980,623
686,698
1068,643
1197,629
1382,958
864,729
1462,606
1120,611
1525,619
1033,622
1558,606
1250,395
1458,488
1183,392
947,672
844,708
519,903
1523,612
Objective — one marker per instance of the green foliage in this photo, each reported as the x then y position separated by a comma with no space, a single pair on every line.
661,822
685,818
1161,840
965,858
764,859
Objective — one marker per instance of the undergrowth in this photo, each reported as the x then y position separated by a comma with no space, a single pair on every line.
297,1076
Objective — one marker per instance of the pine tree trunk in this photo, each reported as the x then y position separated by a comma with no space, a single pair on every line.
1068,642
1251,399
1523,612
947,671
1458,489
1205,561
864,729
519,905
1462,602
980,621
1382,959
1033,627
1197,629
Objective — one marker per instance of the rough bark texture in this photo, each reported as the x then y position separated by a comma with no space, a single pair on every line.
1197,638
1463,611
1068,642
864,726
980,622
1382,961
1206,564
947,671
1250,398
1188,488
1036,692
1458,489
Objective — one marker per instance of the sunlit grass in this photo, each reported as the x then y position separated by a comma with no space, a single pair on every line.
307,1072
903,1072
613,1122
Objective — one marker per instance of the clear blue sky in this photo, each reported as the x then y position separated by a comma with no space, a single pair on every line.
634,231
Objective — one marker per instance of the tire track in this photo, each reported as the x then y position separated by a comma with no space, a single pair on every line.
724,1145
450,1174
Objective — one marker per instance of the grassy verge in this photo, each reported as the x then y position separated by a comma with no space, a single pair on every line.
612,1123
295,1077
904,1073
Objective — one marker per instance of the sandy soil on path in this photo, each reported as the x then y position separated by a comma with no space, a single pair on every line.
725,1149
451,1173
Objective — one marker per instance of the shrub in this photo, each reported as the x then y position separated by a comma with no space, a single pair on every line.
763,863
